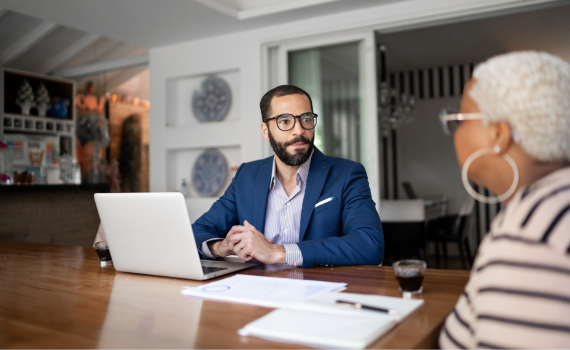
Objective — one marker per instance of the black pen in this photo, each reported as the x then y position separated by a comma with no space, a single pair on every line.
390,312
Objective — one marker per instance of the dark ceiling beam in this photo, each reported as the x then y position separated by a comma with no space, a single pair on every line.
47,66
104,66
3,12
26,42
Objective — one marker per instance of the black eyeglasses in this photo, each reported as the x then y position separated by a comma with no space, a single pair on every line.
286,122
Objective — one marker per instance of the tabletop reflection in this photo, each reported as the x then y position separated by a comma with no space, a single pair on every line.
150,312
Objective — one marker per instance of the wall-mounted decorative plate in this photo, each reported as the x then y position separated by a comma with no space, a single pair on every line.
209,172
212,101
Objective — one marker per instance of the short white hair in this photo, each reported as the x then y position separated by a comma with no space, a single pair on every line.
531,91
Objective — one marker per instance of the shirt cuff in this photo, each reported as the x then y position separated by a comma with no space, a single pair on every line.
205,251
293,255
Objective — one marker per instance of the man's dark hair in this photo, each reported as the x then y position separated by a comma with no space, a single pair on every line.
282,90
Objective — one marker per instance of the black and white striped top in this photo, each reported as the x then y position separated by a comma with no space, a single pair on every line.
518,295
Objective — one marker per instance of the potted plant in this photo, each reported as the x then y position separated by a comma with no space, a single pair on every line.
25,97
42,100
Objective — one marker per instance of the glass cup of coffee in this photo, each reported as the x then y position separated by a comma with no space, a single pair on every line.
410,274
102,249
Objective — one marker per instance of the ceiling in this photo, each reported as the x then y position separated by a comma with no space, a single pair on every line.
151,23
244,9
51,37
35,45
62,37
476,40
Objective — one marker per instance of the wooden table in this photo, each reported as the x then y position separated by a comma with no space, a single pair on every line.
59,297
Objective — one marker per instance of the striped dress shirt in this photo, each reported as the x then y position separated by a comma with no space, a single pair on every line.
283,213
518,295
282,216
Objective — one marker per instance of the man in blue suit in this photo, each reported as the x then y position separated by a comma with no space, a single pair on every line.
298,207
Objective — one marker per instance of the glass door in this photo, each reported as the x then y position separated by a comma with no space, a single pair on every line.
340,75
330,75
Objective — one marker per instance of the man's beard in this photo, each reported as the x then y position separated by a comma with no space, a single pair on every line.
300,155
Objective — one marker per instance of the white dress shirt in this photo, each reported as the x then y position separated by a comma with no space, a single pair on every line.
283,215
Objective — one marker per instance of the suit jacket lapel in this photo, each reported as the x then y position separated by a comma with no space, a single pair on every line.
261,192
317,176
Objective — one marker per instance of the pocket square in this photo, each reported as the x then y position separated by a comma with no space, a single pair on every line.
324,201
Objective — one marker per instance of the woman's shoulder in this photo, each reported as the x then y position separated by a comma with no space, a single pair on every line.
539,215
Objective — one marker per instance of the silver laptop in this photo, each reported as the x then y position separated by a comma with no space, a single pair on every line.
150,233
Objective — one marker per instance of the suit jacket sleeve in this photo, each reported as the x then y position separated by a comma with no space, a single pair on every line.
362,241
217,221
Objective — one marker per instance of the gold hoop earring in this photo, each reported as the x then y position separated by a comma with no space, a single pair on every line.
491,199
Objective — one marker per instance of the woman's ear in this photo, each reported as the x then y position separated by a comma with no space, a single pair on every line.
502,137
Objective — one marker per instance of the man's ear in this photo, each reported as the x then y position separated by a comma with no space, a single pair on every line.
264,131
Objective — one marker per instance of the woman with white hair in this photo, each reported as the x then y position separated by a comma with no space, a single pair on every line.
513,137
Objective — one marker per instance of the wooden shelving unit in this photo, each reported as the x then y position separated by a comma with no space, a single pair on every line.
37,125
13,122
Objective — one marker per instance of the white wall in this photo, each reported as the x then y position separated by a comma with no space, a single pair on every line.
427,156
245,52
213,55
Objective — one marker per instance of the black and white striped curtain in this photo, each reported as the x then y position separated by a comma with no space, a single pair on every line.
443,82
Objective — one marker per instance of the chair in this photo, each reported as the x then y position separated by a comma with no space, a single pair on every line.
403,224
429,202
451,228
409,190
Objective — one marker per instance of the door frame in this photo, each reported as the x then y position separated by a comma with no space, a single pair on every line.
275,72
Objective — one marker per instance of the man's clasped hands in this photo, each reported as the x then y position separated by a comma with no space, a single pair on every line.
248,243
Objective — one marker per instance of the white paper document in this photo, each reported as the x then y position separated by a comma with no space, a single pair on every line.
263,291
321,322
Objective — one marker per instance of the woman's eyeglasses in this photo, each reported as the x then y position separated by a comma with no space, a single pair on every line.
451,121
286,122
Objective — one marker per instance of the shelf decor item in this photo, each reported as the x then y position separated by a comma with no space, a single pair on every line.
25,97
209,172
59,107
6,164
88,101
94,129
42,100
212,101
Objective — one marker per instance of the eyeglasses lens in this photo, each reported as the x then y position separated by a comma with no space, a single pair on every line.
286,122
452,125
308,121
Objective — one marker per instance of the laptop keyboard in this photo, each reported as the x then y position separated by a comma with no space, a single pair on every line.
210,269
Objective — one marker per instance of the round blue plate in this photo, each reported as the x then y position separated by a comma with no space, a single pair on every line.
209,172
212,101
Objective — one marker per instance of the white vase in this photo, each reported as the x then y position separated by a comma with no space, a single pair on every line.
42,110
26,108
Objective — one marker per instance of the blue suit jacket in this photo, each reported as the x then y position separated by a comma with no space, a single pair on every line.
343,231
